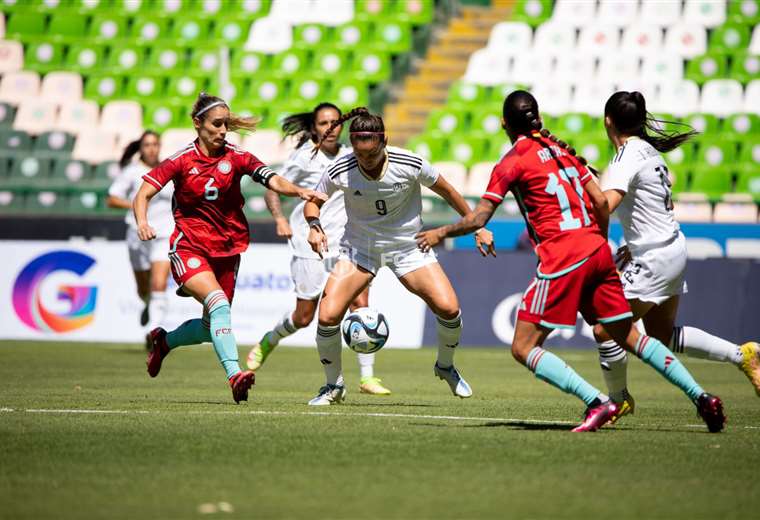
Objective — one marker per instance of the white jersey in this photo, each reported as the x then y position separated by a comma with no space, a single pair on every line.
646,211
384,214
303,171
160,215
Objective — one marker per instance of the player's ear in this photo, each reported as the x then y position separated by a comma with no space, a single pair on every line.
503,123
607,122
196,123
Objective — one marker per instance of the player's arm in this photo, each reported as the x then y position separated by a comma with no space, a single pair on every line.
614,198
471,222
140,208
281,185
600,205
311,210
118,192
272,200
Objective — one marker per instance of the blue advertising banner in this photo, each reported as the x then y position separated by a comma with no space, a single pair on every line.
723,298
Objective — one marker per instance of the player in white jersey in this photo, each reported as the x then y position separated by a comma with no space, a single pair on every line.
150,260
381,189
653,261
308,270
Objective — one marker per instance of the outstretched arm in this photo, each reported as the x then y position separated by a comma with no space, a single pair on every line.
281,185
600,204
272,200
472,221
140,207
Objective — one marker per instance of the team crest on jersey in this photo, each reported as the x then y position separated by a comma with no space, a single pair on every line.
224,167
193,263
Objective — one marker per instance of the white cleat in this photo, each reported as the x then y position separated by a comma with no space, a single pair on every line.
458,385
329,394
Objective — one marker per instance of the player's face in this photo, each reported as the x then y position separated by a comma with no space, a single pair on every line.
369,152
213,129
322,122
149,149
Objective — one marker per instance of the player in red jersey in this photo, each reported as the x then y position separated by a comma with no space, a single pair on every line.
210,231
567,216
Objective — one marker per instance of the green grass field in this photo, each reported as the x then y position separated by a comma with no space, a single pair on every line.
178,447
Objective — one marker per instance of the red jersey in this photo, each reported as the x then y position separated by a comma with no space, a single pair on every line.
548,184
208,204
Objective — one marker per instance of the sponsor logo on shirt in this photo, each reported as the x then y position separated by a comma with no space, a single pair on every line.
224,167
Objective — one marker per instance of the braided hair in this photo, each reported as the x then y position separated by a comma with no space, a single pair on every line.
205,102
365,122
303,124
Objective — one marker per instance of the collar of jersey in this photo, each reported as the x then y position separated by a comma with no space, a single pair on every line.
382,172
208,157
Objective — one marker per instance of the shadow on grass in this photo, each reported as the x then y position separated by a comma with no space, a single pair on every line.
515,425
401,405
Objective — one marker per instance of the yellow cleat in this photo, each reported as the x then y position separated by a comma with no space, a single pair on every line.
259,353
628,406
371,385
750,364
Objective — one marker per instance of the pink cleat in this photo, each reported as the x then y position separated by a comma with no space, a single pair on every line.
159,350
241,383
597,417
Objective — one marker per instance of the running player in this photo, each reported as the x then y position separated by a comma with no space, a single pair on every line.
653,260
308,270
381,189
210,232
567,215
149,260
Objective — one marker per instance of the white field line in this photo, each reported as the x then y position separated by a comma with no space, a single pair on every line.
324,414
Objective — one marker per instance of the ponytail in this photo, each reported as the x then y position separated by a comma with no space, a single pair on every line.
134,147
303,124
206,102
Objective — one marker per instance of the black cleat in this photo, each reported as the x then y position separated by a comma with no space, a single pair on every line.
710,409
144,317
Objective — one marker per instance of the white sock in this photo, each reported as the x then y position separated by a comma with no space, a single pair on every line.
449,332
699,344
329,349
366,364
283,329
614,363
157,309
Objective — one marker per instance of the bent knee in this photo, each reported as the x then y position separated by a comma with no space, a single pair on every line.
520,353
302,320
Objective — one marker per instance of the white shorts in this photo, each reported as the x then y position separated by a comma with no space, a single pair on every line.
309,276
144,253
400,262
657,274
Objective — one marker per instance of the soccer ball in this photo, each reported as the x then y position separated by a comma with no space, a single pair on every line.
365,330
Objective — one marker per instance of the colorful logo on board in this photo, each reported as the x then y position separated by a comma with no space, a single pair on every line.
27,293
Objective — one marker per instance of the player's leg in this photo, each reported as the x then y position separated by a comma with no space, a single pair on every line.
139,258
429,282
345,283
368,383
159,273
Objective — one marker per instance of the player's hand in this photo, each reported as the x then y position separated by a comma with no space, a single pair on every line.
485,243
427,240
312,195
622,257
283,227
318,241
146,232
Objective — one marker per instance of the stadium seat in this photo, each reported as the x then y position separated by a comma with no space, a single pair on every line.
617,67
735,212
486,67
47,201
679,97
478,178
185,88
510,38
249,62
730,37
7,114
704,123
428,146
742,125
15,141
553,98
657,12
662,68
269,90
71,170
30,170
617,13
748,181
26,27
85,58
66,28
166,59
686,40
576,67
721,97
747,11
231,31
754,44
105,28
53,145
327,63
412,11
61,87
372,65
530,68
11,56
447,121
125,59
337,12
467,150
148,29
160,116
708,13
744,67
85,201
555,39
310,36
392,36
143,87
681,158
109,170
18,86
574,12
308,90
350,93
205,61
12,200
292,12
122,118
642,39
713,181
268,146
706,67
270,36
190,31
175,139
290,62
532,12
692,211
454,172
104,88
718,153
599,40
751,97
44,56
35,116
596,149
570,124
95,146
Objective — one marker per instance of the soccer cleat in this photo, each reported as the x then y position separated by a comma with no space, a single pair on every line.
626,407
259,353
458,385
597,417
144,317
241,383
710,409
371,385
158,350
329,394
750,364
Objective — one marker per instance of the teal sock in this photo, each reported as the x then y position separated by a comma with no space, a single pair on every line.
554,371
218,309
192,332
657,356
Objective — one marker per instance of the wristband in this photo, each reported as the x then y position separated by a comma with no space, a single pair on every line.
315,223
478,231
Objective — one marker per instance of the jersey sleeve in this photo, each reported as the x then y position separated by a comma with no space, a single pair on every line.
121,185
619,176
258,171
503,176
326,184
584,173
159,176
293,169
427,176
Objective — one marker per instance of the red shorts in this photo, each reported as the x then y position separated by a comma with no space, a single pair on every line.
186,263
593,289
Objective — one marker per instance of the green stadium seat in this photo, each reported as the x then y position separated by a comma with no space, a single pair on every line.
104,87
248,62
311,36
712,181
125,59
354,35
106,171
430,147
416,12
72,171
447,121
290,62
67,28
44,56
185,88
31,170
12,200
159,116
464,94
748,181
268,91
532,12
706,67
741,125
682,157
53,145
166,59
250,9
348,93
106,28
51,201
467,150
393,36
143,87
329,63
745,67
190,31
231,31
597,150
486,122
90,7
706,124
7,114
369,10
716,153
310,91
85,201
205,61
749,155
679,177
147,30
85,58
730,37
26,27
570,125
15,141
372,66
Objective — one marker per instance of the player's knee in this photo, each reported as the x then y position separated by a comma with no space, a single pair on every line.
600,335
447,310
520,353
302,319
328,318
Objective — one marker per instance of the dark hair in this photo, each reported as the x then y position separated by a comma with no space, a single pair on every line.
363,121
134,147
628,113
303,124
236,122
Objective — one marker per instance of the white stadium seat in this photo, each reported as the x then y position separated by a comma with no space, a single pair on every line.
268,146
752,97
510,38
617,12
661,68
754,44
332,12
270,36
687,40
649,89
575,68
618,67
707,13
722,97
692,211
175,139
2,26
454,172
61,87
659,12
599,40
553,98
17,86
488,68
293,12
679,98
35,116
736,212
78,116
642,39
96,146
11,56
590,96
477,179
529,69
554,38
574,12
123,118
